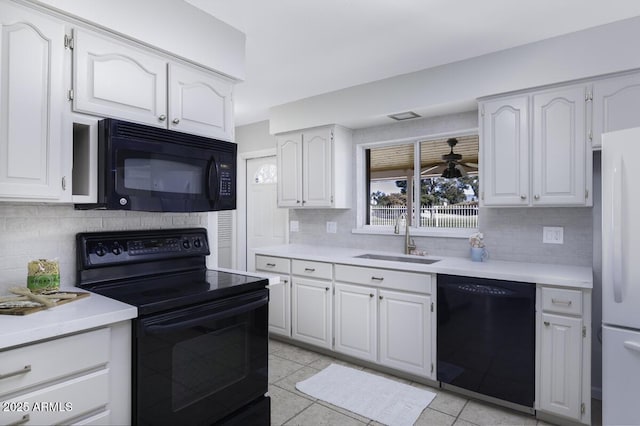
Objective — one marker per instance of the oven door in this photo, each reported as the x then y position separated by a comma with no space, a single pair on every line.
199,364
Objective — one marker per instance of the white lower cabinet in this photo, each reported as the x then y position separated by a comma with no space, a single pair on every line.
311,311
356,319
405,332
564,385
66,380
280,307
385,317
279,294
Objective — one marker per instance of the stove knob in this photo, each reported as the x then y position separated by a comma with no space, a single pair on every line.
116,249
197,243
101,250
186,244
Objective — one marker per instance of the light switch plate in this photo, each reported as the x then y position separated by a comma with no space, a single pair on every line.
294,226
332,227
553,234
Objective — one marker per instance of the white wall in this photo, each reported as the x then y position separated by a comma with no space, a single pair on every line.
171,25
254,137
599,50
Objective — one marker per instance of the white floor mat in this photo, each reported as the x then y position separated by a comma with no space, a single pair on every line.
375,397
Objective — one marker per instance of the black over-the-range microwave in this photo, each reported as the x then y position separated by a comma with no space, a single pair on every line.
146,168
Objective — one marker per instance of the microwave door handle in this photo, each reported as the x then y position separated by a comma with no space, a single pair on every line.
169,326
213,181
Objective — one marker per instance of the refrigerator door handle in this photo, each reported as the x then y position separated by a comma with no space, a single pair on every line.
634,346
616,231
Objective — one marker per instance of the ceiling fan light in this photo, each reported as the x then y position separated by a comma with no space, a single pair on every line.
451,172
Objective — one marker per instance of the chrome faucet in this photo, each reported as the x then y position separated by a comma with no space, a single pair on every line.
409,244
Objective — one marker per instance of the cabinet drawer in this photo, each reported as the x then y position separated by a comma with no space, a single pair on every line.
398,280
273,264
562,301
43,362
308,268
61,402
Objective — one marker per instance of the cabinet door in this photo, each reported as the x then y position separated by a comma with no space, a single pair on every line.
117,80
559,147
31,89
280,307
616,105
505,152
200,103
405,332
289,156
356,321
312,313
561,365
317,168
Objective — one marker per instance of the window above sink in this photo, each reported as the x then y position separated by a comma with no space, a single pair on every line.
407,177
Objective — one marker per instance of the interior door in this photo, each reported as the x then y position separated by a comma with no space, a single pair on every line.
266,223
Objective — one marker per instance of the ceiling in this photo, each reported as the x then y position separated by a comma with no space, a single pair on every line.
300,48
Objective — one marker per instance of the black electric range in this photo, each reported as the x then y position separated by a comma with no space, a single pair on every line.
200,342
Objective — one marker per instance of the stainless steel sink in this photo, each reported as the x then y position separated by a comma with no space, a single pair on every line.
397,258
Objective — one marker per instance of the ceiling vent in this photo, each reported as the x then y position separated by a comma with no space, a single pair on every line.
401,116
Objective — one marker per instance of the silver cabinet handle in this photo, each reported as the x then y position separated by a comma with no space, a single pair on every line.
377,278
523,197
271,265
370,294
175,121
24,370
309,269
536,197
23,420
326,288
162,117
546,323
561,302
380,297
64,183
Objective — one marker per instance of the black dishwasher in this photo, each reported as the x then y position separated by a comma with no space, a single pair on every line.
486,337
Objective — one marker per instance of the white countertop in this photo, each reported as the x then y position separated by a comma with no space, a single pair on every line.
548,274
84,314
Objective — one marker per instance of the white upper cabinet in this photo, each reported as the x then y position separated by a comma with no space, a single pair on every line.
314,168
289,162
113,78
616,105
534,149
200,103
31,89
505,151
559,147
317,165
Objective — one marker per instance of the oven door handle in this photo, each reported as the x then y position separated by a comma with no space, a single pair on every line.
172,325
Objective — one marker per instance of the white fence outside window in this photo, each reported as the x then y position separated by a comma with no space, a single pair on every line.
444,216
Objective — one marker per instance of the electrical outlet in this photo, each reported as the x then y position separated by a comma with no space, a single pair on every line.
553,234
332,227
294,226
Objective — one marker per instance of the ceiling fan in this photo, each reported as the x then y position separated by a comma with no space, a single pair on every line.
452,166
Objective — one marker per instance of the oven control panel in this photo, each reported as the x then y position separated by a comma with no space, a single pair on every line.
108,248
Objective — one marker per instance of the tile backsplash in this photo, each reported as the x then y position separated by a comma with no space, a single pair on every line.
30,231
513,234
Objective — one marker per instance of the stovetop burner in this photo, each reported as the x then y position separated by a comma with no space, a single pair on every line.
170,274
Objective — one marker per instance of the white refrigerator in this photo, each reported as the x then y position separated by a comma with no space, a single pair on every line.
621,277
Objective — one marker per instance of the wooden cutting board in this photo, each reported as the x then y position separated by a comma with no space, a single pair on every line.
32,309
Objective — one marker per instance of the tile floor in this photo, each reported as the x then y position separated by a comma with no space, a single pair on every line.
290,364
